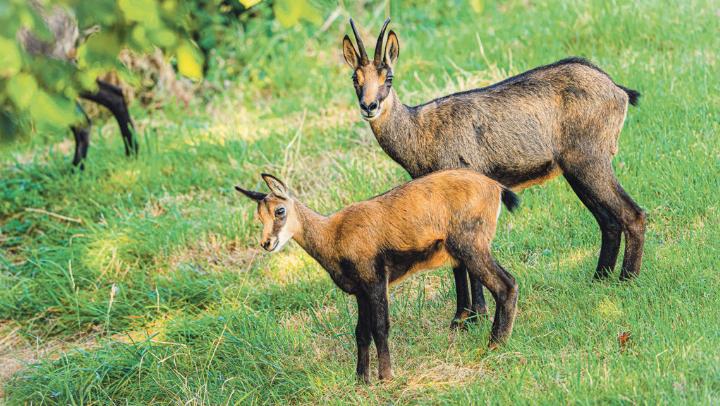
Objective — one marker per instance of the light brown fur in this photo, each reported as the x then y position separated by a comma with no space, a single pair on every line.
410,217
445,217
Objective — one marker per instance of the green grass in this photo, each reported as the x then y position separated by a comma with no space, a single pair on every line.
162,264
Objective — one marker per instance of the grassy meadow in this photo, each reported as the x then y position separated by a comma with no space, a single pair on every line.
141,280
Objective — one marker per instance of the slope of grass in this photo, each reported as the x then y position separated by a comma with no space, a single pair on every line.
158,257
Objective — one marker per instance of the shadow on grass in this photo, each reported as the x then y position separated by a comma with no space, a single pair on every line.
232,355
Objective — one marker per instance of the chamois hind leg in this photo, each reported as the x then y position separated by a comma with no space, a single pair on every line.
610,228
111,97
479,307
504,289
598,180
475,256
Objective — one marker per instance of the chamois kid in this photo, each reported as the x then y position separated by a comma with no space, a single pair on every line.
564,118
445,217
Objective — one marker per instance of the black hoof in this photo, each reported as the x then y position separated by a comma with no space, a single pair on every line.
627,276
602,274
363,379
458,324
479,313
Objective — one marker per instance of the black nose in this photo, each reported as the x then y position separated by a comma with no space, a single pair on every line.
266,244
368,107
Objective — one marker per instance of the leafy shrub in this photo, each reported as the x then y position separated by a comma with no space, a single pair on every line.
52,51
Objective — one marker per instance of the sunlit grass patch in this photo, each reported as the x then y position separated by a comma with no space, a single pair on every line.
579,256
608,309
290,265
122,179
217,252
111,253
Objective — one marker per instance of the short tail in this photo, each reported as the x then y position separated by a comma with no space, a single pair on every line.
633,95
509,199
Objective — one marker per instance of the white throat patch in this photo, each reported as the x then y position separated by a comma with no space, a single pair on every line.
283,237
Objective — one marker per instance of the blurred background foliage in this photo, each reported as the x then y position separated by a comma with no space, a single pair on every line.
51,50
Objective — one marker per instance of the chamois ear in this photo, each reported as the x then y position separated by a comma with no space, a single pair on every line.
392,49
351,56
257,196
276,186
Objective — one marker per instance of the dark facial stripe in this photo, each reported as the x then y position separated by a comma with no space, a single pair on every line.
278,224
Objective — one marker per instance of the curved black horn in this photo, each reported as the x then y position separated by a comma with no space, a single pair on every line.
379,45
361,46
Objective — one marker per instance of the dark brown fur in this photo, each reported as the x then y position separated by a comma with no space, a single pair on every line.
564,118
447,217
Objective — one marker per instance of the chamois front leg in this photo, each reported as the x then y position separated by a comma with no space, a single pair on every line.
82,142
469,308
363,337
463,297
82,139
380,321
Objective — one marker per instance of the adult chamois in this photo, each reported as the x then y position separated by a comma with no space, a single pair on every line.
63,46
563,118
445,217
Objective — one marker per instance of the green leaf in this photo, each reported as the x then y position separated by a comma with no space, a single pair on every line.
21,89
142,11
311,14
102,48
47,109
87,78
169,6
103,12
477,5
81,56
288,12
139,36
10,58
163,38
249,3
189,61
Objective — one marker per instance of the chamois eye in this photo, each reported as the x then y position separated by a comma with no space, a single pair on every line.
279,212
